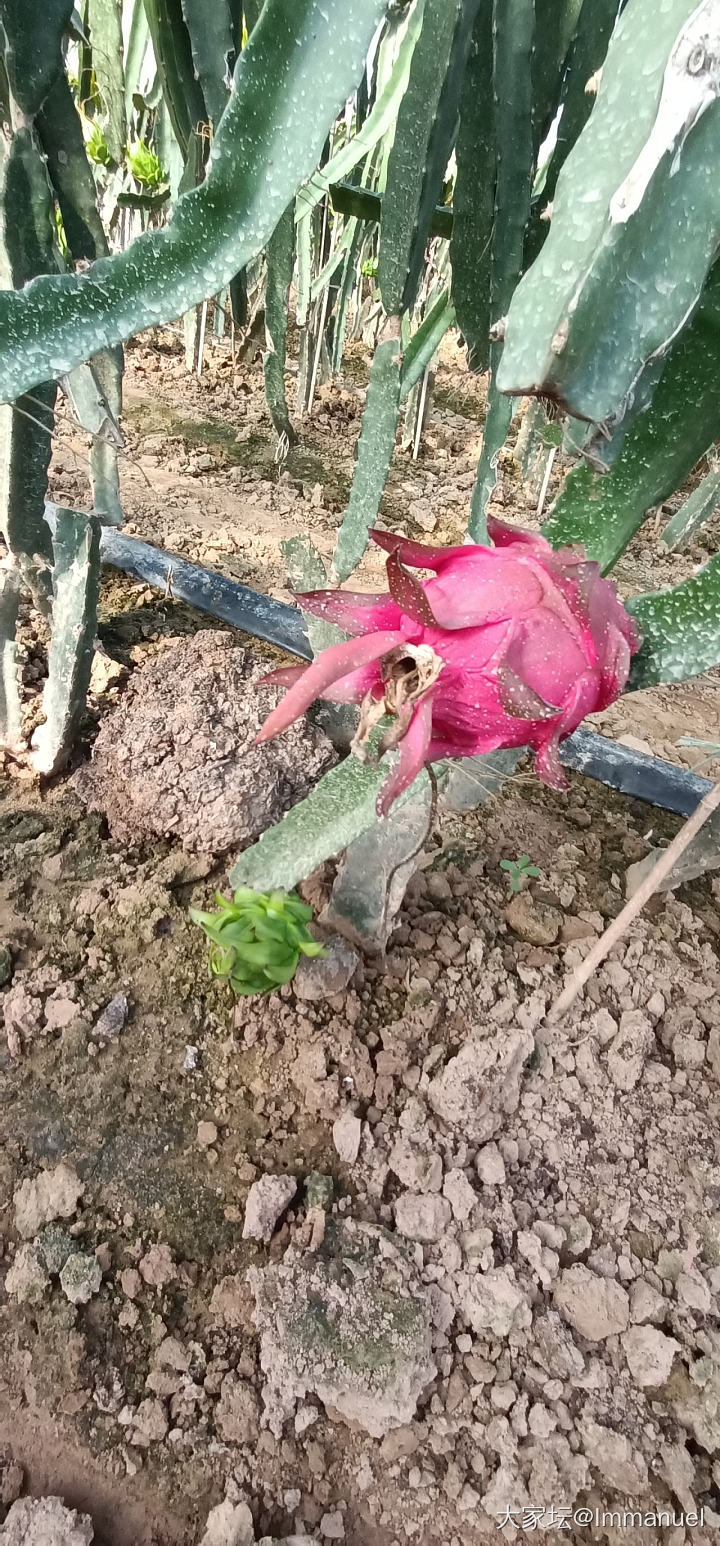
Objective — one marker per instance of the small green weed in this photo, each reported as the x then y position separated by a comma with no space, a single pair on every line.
518,871
257,939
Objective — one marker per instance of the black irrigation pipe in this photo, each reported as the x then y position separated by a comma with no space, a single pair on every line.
634,773
595,756
348,199
273,621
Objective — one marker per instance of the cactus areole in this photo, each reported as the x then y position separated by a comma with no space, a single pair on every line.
505,646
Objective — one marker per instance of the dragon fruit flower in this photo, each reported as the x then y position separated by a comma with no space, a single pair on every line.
503,646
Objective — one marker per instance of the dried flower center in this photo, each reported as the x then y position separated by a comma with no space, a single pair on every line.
407,673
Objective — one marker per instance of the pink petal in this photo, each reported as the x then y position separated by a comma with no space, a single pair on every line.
574,553
521,701
456,740
503,536
481,747
283,676
355,686
606,610
615,667
583,700
416,553
562,600
483,587
576,580
356,612
548,766
413,751
469,649
409,593
334,663
547,655
469,717
439,747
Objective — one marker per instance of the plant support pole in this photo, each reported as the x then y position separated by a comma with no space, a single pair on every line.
665,864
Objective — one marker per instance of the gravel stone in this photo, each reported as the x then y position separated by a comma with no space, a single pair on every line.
319,977
130,1282
229,1524
596,1307
629,1049
490,1165
22,1016
113,1018
230,1300
332,1526
650,1355
417,1169
12,1477
422,1217
614,1457
53,1194
347,1132
80,1278
353,1329
578,1235
460,1195
494,1302
267,1200
150,1423
693,1292
237,1414
28,1278
535,922
646,1304
45,1522
481,1085
157,1267
55,1245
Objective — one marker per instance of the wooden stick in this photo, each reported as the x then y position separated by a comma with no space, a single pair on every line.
546,483
630,911
421,414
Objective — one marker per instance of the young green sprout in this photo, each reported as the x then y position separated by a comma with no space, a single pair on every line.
145,166
257,939
518,871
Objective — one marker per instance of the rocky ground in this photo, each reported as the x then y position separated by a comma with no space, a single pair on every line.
385,1257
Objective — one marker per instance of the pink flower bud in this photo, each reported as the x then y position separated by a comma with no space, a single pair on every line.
505,646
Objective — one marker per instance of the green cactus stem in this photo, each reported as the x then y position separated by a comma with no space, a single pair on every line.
76,583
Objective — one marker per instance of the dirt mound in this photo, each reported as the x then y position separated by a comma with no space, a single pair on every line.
351,1325
176,757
